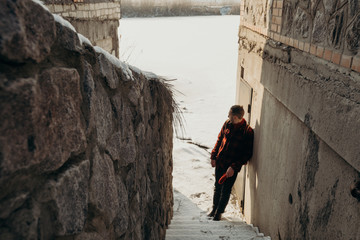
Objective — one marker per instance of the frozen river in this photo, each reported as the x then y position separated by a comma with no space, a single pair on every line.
200,52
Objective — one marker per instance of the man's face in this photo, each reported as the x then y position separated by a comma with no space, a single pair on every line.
231,117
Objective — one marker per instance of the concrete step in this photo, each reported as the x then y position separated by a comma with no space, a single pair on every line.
214,231
202,237
191,223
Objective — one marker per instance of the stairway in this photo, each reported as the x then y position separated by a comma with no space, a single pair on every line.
191,223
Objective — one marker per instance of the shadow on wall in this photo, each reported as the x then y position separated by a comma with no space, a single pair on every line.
296,176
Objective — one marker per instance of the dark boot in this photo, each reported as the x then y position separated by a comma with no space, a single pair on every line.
217,217
212,213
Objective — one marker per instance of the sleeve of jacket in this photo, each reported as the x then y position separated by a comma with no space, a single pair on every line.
247,151
215,150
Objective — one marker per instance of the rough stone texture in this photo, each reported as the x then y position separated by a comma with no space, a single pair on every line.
66,199
305,114
85,141
26,34
332,24
256,13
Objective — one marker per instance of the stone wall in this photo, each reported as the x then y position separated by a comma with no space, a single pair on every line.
85,140
98,20
305,111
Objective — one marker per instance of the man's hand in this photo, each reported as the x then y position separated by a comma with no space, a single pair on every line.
213,163
230,172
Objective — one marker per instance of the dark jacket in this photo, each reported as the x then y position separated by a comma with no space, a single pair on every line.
234,146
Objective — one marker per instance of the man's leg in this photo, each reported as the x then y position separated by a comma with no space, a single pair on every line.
225,196
217,191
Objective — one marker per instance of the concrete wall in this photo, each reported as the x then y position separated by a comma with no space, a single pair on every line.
85,140
98,20
305,112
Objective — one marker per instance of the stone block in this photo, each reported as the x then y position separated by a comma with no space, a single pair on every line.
307,47
273,27
277,37
276,12
101,112
336,57
58,113
80,7
103,187
51,8
313,49
301,45
81,14
283,39
291,42
296,43
24,223
67,198
319,51
121,221
20,39
72,14
16,129
122,147
327,54
34,135
92,14
356,64
66,7
345,61
58,8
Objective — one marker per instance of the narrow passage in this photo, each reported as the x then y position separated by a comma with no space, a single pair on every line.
193,185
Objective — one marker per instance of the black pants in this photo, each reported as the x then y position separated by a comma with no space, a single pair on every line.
222,191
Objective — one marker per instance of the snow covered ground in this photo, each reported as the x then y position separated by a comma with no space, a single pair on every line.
201,53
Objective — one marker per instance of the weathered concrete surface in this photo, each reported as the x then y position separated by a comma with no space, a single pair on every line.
327,23
305,112
85,140
98,20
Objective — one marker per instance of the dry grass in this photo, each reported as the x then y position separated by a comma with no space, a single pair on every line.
164,89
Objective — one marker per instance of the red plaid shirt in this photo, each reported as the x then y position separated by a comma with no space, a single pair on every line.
234,146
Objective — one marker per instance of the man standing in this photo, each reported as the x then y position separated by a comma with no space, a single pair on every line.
233,149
